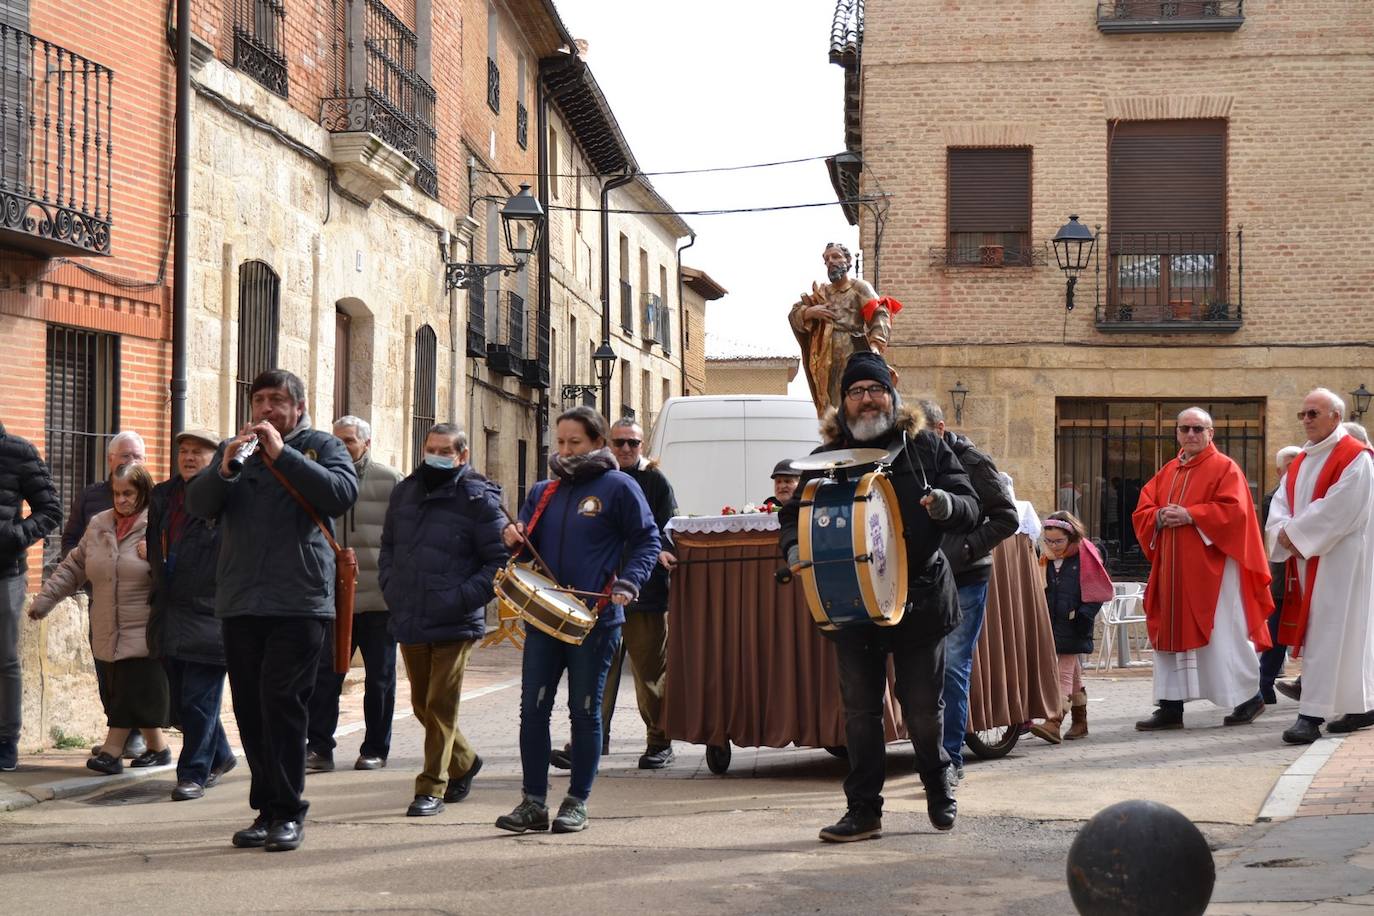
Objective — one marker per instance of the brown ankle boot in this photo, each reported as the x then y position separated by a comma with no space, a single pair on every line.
1049,729
1078,708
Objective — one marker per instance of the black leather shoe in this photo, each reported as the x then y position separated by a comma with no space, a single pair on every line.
459,788
284,836
424,806
1291,689
1246,712
254,835
217,773
656,758
316,762
1350,722
135,745
365,762
187,790
105,763
1163,718
153,758
562,758
857,824
940,804
1303,731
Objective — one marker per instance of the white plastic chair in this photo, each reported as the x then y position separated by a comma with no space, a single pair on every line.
1108,618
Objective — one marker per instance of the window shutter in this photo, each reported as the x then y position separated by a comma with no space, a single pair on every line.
989,190
1168,177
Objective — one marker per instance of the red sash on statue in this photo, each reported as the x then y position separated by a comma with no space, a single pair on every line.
1297,602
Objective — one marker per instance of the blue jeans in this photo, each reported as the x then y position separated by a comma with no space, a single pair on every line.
545,659
959,645
196,691
371,635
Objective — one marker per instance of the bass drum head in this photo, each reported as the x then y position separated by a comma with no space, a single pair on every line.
880,535
553,612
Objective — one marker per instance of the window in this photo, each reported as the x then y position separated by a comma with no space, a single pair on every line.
626,390
426,388
260,42
554,165
627,309
259,325
522,114
1106,450
342,347
493,71
493,281
82,413
1167,220
521,471
646,394
989,206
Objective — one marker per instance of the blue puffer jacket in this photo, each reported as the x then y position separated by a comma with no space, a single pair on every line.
1071,618
595,530
440,550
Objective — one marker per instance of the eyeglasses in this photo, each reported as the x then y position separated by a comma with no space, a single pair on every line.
1309,414
1055,542
621,443
858,391
1187,428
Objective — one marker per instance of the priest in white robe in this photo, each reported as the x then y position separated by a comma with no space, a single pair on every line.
1321,525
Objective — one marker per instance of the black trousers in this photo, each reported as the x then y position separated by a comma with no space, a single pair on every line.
272,664
862,654
370,633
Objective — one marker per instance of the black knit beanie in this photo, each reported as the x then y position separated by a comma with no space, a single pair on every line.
866,366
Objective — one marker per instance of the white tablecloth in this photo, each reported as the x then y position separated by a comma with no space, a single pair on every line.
716,524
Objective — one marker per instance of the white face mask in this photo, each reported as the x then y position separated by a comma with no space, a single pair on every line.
440,461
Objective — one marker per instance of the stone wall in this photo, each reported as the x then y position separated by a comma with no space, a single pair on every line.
60,694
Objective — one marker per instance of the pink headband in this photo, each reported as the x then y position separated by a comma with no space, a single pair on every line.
1059,523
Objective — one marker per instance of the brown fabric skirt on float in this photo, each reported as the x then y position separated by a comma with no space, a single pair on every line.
139,697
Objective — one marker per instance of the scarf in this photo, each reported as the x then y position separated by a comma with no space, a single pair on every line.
576,468
125,523
433,478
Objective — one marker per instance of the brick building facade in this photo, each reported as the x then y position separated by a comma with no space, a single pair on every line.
1215,148
750,374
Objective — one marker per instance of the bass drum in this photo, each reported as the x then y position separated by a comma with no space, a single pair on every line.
536,600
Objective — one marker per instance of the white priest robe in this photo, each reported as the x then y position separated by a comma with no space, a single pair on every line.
1338,650
1226,670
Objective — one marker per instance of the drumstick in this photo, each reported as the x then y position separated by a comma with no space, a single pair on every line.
537,558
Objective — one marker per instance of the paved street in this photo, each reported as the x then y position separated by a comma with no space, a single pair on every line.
676,841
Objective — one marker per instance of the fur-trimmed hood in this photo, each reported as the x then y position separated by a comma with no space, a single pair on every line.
835,433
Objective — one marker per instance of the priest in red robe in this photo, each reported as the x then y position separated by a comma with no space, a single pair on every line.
1207,602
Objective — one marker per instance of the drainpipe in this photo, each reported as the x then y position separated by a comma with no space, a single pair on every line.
682,310
180,206
606,190
544,295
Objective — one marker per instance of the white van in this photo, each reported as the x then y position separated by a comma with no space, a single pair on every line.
720,450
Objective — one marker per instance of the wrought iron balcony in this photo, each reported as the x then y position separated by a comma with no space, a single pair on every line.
493,86
397,105
522,125
509,347
56,153
259,42
627,307
477,322
989,249
1170,15
1171,281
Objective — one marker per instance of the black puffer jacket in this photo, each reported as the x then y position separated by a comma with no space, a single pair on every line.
1071,618
970,554
658,493
183,625
24,478
932,603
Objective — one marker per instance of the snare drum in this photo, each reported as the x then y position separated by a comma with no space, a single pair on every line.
535,599
853,552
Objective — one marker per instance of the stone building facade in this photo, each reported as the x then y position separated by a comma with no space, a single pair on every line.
750,374
1215,149
698,289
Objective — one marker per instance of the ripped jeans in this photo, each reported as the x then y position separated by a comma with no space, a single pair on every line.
545,659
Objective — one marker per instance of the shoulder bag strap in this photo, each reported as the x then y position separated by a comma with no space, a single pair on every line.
309,509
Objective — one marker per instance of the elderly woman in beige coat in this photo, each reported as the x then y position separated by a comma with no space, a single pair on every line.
112,556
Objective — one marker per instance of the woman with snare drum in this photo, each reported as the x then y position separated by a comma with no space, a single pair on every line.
590,524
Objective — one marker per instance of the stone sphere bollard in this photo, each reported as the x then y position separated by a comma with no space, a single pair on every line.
1140,857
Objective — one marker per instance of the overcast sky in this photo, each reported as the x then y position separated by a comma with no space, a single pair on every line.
715,83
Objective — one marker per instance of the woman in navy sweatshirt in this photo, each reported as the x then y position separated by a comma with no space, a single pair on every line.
591,525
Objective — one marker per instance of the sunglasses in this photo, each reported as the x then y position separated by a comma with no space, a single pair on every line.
1310,414
1186,428
858,391
621,443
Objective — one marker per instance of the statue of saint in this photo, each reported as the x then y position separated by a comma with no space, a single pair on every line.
835,320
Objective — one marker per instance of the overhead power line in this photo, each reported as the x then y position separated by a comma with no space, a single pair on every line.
701,171
721,211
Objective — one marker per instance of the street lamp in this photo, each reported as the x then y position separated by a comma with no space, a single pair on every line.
1073,247
1361,396
520,212
604,361
956,400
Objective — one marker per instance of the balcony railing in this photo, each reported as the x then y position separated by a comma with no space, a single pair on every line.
522,125
1170,15
988,249
493,86
652,325
1171,281
627,307
259,42
508,349
398,105
56,114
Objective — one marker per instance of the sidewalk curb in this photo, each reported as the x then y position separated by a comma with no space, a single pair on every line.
1287,795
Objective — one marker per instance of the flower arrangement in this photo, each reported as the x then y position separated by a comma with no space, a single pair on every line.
749,508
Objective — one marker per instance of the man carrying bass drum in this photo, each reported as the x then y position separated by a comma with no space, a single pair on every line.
935,496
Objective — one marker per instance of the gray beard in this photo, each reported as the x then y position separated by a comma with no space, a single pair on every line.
837,273
868,429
